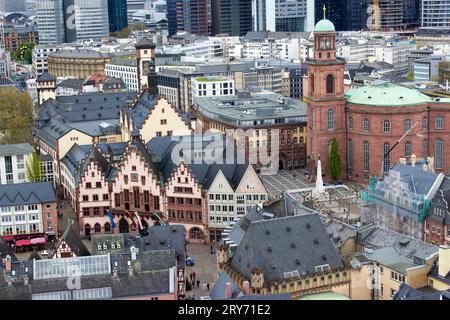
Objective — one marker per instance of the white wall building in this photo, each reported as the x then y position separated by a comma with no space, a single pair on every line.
13,161
395,53
204,49
125,70
212,86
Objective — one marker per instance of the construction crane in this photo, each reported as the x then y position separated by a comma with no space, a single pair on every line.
376,14
392,148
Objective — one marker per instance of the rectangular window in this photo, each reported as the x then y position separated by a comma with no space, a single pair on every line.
117,199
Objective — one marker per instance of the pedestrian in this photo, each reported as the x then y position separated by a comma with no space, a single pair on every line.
193,275
190,276
207,286
198,283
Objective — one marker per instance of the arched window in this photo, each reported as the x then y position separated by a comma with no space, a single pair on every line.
407,125
350,123
366,156
97,228
330,83
386,126
438,154
87,230
387,159
408,149
330,119
366,125
328,43
439,122
350,153
312,83
301,140
107,227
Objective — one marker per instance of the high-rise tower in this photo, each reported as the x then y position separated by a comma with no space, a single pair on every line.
324,94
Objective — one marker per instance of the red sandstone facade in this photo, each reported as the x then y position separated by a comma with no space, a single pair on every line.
358,128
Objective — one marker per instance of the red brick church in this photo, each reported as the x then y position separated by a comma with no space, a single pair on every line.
368,121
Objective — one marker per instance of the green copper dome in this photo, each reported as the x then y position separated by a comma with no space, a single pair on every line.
324,25
386,95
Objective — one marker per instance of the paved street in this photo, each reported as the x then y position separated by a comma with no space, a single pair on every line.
205,268
285,180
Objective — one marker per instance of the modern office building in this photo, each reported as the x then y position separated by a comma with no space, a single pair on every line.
189,16
50,21
435,14
134,6
86,20
232,17
117,15
293,16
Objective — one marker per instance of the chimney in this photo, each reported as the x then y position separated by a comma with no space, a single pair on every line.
246,287
9,281
413,160
444,261
402,160
228,290
25,280
8,264
424,167
115,272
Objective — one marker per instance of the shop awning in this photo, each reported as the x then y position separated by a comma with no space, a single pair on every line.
8,238
38,240
21,243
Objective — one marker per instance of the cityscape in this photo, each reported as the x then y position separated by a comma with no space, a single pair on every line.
244,151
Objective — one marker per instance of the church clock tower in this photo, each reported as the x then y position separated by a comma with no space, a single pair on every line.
324,95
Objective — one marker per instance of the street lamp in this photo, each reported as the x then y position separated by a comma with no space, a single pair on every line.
386,154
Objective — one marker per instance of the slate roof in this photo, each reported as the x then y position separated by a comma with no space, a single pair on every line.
374,237
406,292
15,149
218,292
204,172
418,180
389,257
26,193
145,43
79,156
45,77
293,243
72,83
72,239
85,106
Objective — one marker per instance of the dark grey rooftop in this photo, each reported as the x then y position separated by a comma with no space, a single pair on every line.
71,237
263,107
418,180
15,149
45,77
375,237
297,243
26,193
80,54
71,83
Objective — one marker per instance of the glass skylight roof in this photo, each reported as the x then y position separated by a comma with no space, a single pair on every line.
63,268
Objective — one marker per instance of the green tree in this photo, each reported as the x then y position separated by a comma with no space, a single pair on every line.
334,163
24,53
16,116
126,33
410,76
34,170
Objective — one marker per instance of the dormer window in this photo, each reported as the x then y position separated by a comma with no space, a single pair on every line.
118,245
105,247
113,246
99,248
